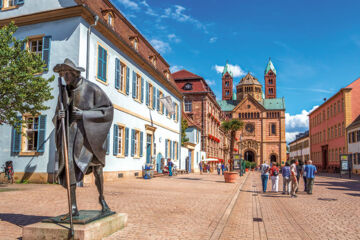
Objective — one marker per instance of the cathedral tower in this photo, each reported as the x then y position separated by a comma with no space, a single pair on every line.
270,80
227,83
249,85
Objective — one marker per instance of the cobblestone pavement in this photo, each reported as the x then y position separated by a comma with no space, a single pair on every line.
184,207
331,212
191,207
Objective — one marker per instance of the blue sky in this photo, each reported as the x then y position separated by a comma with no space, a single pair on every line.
314,45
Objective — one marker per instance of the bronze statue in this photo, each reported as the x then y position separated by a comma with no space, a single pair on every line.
88,115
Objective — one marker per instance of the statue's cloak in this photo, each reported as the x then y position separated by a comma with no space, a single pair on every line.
86,136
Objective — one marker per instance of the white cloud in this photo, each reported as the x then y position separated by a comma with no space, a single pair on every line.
213,39
235,69
160,46
290,136
210,82
172,37
176,68
145,3
129,4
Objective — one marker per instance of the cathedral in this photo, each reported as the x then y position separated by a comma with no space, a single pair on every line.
263,114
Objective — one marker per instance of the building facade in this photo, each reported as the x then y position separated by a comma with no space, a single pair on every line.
300,147
120,61
327,126
201,107
263,135
353,138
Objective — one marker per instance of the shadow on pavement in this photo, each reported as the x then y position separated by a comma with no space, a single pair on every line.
342,186
354,194
20,219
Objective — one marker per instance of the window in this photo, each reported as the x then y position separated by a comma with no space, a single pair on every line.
121,141
334,109
335,130
8,4
161,105
188,105
35,45
153,60
272,129
175,151
227,83
227,93
339,130
176,112
136,143
270,81
102,62
121,78
271,90
188,86
137,87
31,133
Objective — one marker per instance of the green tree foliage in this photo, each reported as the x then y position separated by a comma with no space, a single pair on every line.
22,89
184,126
231,126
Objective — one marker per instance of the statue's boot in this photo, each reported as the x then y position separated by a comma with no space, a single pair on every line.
104,206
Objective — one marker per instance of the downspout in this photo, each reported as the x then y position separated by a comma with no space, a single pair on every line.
88,45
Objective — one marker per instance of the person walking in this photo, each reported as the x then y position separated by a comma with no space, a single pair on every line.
274,174
293,174
264,175
303,173
218,168
286,178
222,168
299,168
310,171
208,168
201,167
170,165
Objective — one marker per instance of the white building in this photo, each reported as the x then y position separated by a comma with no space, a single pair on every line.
353,141
300,147
121,61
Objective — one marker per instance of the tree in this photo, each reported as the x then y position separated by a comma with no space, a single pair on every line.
22,89
184,126
231,126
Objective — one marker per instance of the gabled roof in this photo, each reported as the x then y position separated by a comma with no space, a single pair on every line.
268,104
249,80
228,105
251,99
355,123
274,103
227,69
270,66
184,74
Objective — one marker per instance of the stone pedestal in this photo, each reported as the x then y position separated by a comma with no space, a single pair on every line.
94,230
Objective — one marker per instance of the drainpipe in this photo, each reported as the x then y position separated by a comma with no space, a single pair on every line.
88,45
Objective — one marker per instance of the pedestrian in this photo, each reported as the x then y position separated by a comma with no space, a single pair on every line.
222,168
310,171
303,173
170,165
286,178
299,168
274,174
218,168
200,167
264,175
293,174
208,168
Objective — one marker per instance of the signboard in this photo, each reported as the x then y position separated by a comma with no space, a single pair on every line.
236,161
345,164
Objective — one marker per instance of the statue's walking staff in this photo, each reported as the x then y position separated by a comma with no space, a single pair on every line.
65,154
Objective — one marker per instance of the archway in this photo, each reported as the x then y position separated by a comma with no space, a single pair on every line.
249,156
273,158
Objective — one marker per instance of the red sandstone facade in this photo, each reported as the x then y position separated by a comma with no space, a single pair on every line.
227,86
200,105
328,125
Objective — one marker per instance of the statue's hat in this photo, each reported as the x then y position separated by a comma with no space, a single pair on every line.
68,65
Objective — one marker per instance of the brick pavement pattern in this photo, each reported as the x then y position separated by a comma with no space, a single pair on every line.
191,206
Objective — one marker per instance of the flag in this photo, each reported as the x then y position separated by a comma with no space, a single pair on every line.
168,104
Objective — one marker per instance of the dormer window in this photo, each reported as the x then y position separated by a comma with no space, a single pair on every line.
153,60
167,74
135,42
110,20
109,17
188,86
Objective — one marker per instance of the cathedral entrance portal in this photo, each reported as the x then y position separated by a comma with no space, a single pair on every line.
249,156
273,158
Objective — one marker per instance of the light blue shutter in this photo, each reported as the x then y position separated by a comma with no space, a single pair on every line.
141,143
154,98
132,142
16,142
108,143
177,113
173,115
127,80
171,149
158,100
174,145
117,73
46,50
41,134
105,64
147,94
142,90
19,2
99,74
166,148
116,140
134,85
126,142
177,152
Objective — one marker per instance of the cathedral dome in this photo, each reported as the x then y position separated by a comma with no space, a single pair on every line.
249,80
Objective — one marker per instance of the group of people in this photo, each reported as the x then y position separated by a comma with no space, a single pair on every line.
291,174
205,167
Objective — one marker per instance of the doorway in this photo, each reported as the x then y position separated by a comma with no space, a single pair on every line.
148,147
249,156
273,158
324,150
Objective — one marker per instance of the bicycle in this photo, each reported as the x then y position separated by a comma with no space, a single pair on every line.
9,171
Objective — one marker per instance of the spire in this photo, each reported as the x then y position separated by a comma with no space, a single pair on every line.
270,66
227,69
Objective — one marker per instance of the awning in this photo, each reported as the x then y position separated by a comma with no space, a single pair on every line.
211,160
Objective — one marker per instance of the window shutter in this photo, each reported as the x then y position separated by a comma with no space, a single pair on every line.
132,142
142,90
141,143
177,152
18,2
116,140
157,100
126,142
127,80
147,94
154,97
105,64
171,150
99,72
134,85
177,113
162,108
46,50
166,148
173,115
108,143
41,134
117,73
16,142
1,4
